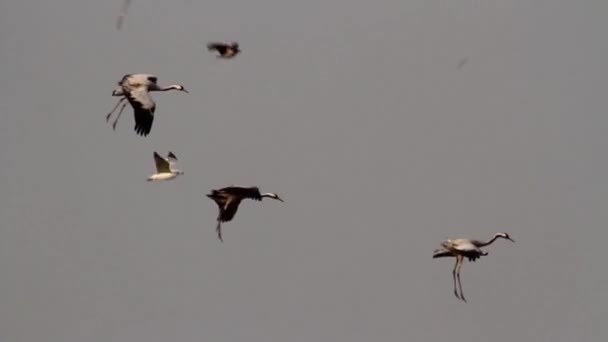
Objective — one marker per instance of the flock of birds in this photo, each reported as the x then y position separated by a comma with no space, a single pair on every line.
135,90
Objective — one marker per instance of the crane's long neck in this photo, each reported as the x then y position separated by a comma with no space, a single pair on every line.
271,195
483,244
167,88
171,87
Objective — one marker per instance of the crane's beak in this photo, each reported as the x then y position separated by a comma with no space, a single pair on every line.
185,91
279,199
511,239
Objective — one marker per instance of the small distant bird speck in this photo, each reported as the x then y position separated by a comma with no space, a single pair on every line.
463,62
123,13
225,50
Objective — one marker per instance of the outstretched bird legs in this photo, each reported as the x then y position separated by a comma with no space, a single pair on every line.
456,274
454,277
218,229
119,113
459,282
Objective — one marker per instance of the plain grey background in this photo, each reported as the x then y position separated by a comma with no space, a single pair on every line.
356,112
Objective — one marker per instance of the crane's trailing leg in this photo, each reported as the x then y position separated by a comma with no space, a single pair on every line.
454,277
460,262
114,109
218,229
118,117
119,113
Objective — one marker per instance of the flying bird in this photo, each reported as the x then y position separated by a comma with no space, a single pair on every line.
464,248
165,168
463,62
229,198
123,13
135,89
225,50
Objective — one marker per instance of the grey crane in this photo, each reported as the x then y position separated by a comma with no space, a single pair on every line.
135,89
229,198
225,50
464,248
123,13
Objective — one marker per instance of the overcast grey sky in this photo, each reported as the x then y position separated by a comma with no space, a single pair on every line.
357,114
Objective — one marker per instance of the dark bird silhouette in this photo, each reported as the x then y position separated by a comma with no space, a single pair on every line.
229,198
225,50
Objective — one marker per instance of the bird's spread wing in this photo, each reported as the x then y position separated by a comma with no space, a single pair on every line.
464,246
171,156
218,198
124,79
441,253
143,108
229,210
151,79
444,252
221,48
172,160
133,81
162,165
250,192
215,46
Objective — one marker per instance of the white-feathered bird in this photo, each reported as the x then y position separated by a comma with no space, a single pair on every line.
165,168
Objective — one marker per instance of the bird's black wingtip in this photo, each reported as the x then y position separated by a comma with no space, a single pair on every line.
142,131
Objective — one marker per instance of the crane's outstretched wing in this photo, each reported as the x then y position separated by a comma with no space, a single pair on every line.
441,253
219,47
143,109
122,14
227,206
162,165
463,247
229,209
250,192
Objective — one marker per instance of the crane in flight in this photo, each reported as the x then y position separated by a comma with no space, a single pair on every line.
464,248
229,198
135,89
